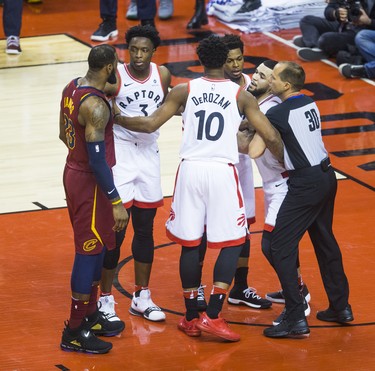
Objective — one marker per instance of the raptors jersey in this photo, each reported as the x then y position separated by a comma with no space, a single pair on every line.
245,173
211,121
269,167
136,98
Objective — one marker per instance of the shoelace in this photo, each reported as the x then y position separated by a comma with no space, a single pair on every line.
250,291
164,5
13,41
110,305
201,292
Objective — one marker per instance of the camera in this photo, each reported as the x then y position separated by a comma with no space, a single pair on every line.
353,7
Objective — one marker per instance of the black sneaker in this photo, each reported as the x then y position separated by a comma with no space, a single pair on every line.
298,41
249,6
280,318
201,301
341,316
343,56
248,297
352,71
278,297
107,30
83,340
298,329
311,54
99,324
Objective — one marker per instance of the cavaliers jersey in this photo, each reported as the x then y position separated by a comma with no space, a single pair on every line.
298,121
138,98
269,167
211,121
73,97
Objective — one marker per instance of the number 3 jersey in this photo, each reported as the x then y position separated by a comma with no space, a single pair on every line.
211,120
138,98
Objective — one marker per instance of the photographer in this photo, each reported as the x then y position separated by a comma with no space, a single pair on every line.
327,37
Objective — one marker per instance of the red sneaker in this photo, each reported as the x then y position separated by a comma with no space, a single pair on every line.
189,327
218,327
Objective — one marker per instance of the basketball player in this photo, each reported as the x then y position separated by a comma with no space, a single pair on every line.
241,293
140,90
307,206
274,176
213,109
94,205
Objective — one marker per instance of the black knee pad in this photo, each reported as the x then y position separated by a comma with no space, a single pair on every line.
226,264
245,252
203,247
190,271
111,258
143,241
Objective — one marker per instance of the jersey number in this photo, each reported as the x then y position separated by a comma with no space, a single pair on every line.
204,126
69,132
312,117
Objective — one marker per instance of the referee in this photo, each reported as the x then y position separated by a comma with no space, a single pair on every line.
308,206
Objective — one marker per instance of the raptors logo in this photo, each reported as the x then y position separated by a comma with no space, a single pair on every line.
241,220
172,215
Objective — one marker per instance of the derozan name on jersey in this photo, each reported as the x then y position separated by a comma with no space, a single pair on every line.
211,98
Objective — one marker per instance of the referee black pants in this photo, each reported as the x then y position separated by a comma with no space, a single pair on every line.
308,206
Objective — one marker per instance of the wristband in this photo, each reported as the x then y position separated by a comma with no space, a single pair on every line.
117,202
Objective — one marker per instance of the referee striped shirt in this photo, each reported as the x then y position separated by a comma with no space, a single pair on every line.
298,121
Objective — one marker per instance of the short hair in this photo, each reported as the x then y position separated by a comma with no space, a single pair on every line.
212,52
233,42
270,63
294,74
100,56
146,31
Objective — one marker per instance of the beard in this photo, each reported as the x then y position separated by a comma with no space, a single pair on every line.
257,91
112,79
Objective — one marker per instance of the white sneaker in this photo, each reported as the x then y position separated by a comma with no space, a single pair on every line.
106,305
165,9
142,305
13,45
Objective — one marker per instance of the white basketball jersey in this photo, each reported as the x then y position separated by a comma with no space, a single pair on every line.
211,120
138,98
269,167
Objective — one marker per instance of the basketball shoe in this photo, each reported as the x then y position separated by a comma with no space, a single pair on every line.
280,318
142,305
100,324
189,327
201,300
278,297
248,297
217,326
83,340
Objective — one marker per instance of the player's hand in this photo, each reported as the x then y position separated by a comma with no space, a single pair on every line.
121,217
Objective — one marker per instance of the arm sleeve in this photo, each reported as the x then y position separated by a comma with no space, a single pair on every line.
98,164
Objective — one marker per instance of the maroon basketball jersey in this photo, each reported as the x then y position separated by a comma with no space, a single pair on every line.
73,97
